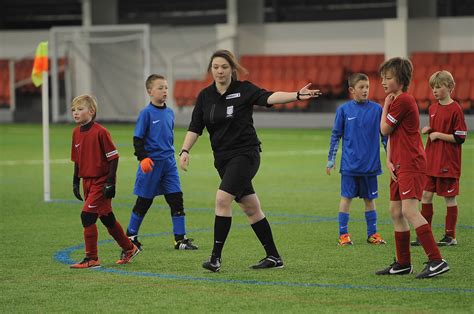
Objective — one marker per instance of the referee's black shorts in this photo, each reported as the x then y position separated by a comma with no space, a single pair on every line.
237,173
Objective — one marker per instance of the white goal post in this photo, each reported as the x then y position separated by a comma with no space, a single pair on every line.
110,62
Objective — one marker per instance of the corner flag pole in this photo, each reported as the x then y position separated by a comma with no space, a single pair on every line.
39,76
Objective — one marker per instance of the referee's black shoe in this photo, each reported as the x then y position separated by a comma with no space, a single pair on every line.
213,264
269,262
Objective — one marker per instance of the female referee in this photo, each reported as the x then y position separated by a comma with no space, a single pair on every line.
225,108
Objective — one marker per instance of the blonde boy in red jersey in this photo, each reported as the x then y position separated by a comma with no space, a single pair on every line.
447,131
406,163
95,160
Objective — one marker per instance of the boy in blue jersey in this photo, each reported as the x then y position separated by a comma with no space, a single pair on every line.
157,172
357,122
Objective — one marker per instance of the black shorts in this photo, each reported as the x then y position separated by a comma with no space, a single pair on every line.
237,173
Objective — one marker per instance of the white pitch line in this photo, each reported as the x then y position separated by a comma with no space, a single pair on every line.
35,162
310,152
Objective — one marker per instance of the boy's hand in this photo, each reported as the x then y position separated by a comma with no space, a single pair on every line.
146,165
391,169
389,99
184,161
76,191
109,190
426,130
434,136
330,165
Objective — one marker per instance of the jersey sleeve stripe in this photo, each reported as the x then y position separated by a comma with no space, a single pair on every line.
460,133
392,119
112,153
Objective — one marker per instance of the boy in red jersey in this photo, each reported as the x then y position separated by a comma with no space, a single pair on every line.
406,163
95,160
447,131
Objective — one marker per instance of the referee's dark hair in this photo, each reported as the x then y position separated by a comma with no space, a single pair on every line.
237,69
151,78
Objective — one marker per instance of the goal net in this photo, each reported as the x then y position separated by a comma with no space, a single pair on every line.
110,62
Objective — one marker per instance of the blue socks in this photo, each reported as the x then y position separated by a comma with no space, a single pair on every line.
343,222
134,224
179,228
179,225
371,219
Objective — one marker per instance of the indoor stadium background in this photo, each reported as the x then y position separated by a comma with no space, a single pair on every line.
283,45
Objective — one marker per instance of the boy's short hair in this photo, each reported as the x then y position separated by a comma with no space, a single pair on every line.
87,101
441,78
149,81
401,68
356,77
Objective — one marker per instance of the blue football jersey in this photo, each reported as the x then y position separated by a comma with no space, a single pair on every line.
358,124
155,126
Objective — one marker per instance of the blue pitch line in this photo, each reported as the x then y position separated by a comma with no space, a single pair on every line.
312,218
64,257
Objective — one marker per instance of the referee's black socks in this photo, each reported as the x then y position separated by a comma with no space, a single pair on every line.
264,233
221,230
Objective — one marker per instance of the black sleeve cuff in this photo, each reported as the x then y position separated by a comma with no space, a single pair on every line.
458,139
139,145
113,165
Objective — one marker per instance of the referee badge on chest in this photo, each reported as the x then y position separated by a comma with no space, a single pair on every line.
230,112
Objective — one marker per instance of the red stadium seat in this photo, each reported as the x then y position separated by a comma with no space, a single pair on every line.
372,63
460,72
421,91
423,58
336,80
468,58
335,61
455,58
462,90
357,63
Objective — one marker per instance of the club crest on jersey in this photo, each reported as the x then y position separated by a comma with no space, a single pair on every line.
230,111
231,96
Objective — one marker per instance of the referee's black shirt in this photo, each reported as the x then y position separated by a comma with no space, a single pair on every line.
228,117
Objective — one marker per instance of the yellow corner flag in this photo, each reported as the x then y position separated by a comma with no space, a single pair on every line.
40,64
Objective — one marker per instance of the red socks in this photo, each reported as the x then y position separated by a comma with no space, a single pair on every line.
117,233
402,243
451,220
425,236
90,239
427,212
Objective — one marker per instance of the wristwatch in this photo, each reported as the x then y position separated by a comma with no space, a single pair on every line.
183,151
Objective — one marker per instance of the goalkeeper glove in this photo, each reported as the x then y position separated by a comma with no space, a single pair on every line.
146,165
109,190
76,188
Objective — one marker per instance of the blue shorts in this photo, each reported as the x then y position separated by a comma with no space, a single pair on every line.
163,179
362,187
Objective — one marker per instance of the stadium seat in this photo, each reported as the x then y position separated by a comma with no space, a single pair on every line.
462,90
460,72
423,58
468,58
336,80
421,91
334,61
357,63
419,73
372,63
455,58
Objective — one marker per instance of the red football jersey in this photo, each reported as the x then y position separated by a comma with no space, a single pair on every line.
92,150
406,148
444,158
